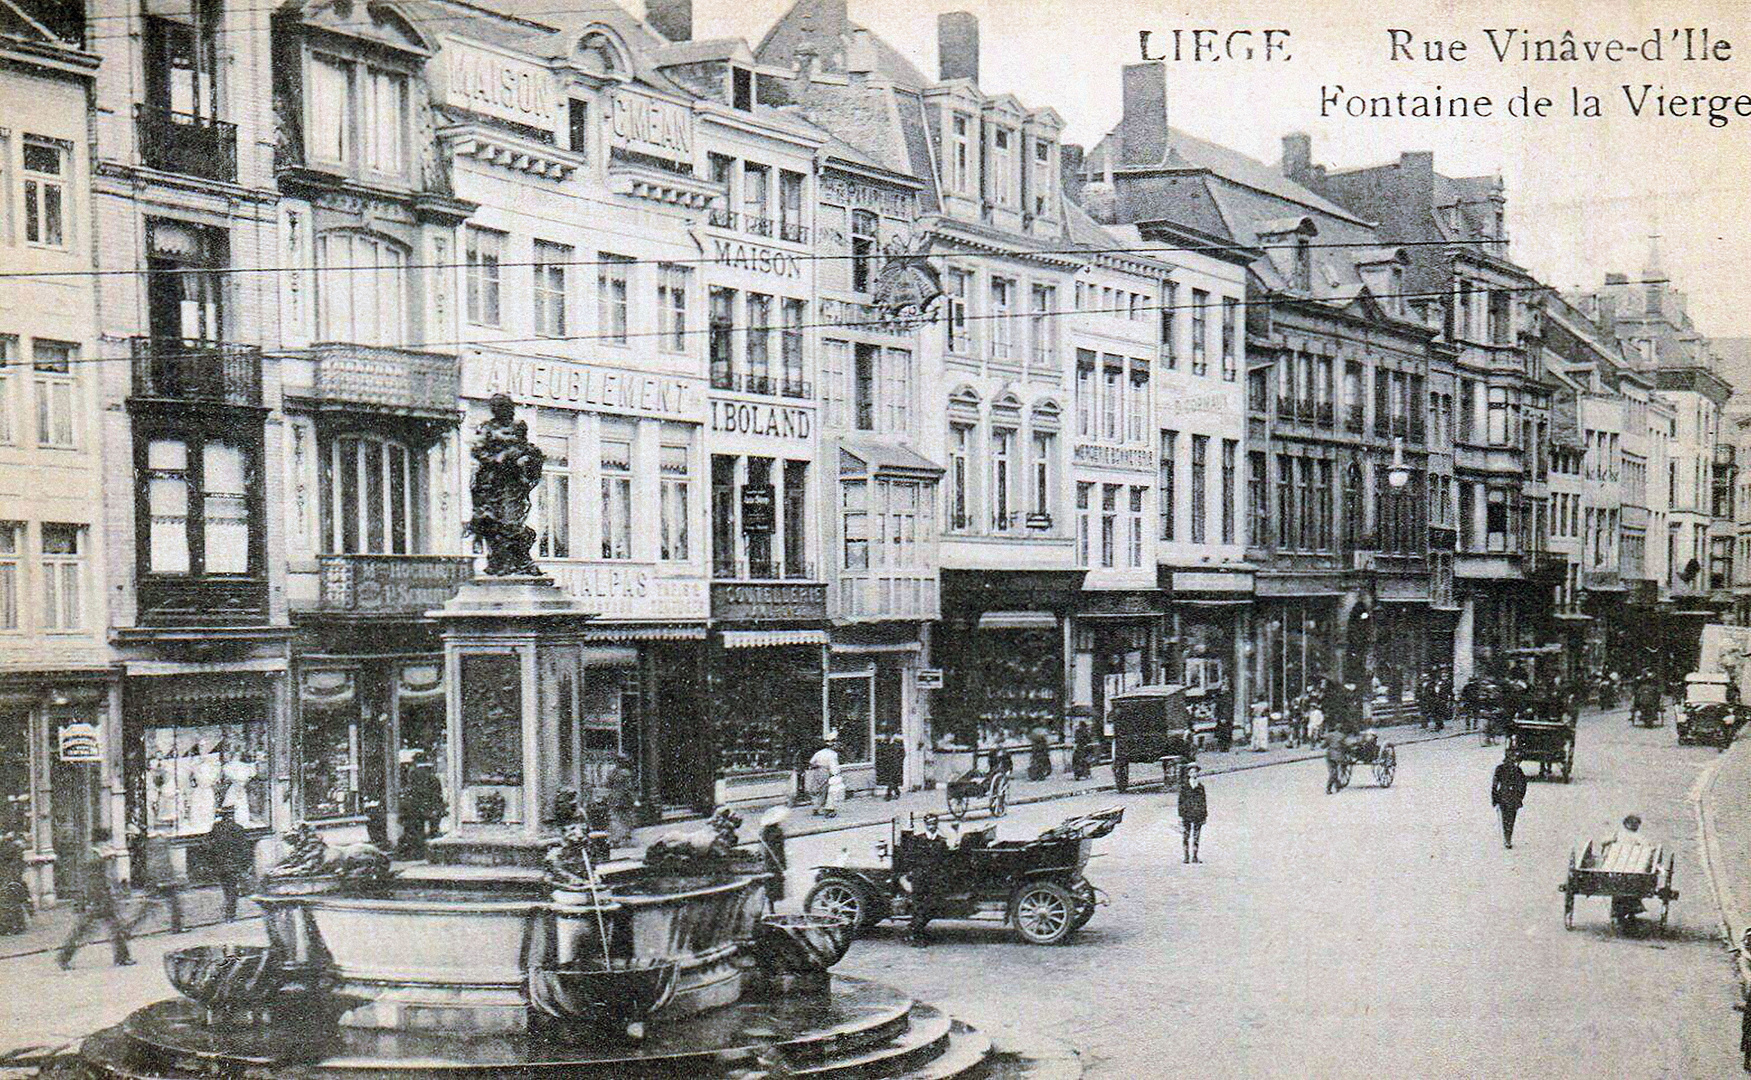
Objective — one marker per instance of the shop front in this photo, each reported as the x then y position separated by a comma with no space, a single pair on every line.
875,703
197,746
768,690
1001,647
1209,641
1295,646
1118,640
56,732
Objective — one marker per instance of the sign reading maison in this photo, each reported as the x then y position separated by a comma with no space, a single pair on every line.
496,85
647,125
563,384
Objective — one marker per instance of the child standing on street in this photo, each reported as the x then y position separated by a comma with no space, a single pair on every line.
1194,809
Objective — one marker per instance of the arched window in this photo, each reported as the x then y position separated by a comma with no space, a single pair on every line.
373,496
362,289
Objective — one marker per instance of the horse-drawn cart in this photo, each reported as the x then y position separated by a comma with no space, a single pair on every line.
1625,869
1367,749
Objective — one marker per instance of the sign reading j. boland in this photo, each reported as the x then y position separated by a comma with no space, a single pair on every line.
496,84
757,418
566,384
649,125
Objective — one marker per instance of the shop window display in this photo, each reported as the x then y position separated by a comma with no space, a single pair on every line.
1013,683
197,765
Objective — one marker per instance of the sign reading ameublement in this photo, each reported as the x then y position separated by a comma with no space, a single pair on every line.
649,125
566,384
496,84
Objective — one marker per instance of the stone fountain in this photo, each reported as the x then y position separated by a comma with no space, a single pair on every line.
513,953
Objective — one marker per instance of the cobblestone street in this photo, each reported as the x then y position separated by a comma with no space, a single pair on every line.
1366,933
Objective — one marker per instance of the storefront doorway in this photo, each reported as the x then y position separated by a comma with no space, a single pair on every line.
76,787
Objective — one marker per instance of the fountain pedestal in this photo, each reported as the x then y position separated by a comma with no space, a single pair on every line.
513,664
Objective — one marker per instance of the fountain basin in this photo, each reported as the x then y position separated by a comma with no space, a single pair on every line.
615,997
224,979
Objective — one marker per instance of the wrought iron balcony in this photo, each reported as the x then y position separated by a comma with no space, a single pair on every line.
186,144
177,369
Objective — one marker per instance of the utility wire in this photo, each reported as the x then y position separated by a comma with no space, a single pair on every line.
703,260
849,324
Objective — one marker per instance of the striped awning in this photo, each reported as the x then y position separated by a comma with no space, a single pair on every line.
751,639
654,632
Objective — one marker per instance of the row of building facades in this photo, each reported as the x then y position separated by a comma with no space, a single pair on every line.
869,406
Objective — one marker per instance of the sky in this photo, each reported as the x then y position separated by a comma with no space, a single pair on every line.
1584,194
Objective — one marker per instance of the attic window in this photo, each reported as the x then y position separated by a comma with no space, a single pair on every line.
1303,264
742,89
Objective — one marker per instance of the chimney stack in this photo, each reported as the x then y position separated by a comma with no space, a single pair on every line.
957,46
671,18
1297,156
1143,131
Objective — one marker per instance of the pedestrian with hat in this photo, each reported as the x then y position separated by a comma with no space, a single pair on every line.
1508,792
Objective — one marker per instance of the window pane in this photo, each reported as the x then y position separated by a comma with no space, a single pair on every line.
330,109
167,510
371,464
226,508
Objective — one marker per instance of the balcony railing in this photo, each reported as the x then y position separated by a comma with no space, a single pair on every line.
391,584
789,231
380,378
190,145
772,385
177,369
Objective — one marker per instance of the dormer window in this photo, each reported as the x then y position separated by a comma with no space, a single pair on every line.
742,89
1042,178
1003,168
960,156
1303,264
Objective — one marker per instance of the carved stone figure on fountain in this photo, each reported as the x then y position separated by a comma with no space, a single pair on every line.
507,466
306,852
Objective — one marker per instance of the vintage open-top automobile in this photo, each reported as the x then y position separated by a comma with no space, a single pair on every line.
1036,886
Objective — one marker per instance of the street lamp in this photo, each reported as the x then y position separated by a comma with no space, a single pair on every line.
1399,474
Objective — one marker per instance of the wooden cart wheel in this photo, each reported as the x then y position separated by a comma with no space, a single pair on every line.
1343,775
1386,766
957,807
1568,761
1568,908
999,796
1044,913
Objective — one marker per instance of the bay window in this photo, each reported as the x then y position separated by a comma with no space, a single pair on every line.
854,522
616,476
363,287
373,496
197,500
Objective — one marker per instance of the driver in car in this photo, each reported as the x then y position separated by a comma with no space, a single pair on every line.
926,879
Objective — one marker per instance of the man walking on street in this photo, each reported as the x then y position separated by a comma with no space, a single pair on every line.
232,852
1334,759
99,905
1194,810
1507,792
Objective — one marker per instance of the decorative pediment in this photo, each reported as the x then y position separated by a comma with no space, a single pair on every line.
600,51
963,404
378,23
1046,415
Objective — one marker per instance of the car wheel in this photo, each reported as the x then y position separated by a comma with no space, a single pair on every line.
1044,913
843,899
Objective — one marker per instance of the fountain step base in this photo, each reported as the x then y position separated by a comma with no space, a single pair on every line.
858,1029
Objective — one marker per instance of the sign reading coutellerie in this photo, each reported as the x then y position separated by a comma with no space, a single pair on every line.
563,384
649,125
496,85
775,601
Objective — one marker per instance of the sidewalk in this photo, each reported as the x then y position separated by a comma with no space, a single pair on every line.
1723,814
870,809
200,907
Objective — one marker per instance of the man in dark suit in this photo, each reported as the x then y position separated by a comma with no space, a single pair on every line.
232,853
98,904
1507,792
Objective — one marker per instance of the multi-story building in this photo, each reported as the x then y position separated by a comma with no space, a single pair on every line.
1459,278
994,376
185,207
1337,428
60,745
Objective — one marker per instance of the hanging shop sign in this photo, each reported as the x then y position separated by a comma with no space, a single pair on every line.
758,509
755,418
497,85
651,126
79,741
563,384
927,678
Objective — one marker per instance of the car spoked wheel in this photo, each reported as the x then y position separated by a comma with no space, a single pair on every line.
839,899
1044,913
